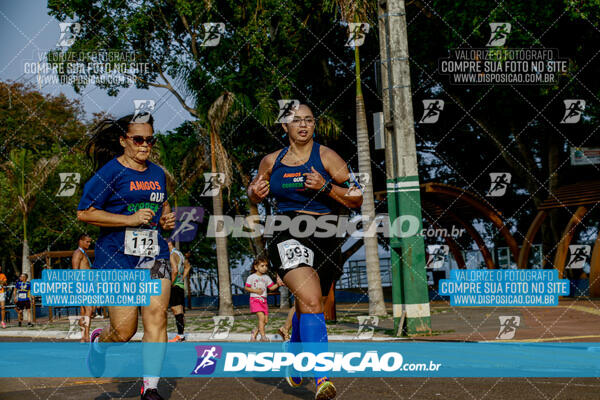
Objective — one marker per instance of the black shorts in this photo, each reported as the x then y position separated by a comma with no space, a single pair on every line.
285,251
177,296
23,305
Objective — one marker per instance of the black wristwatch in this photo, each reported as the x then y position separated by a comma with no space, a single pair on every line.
327,188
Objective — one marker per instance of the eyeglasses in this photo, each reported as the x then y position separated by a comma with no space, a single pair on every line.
308,120
139,140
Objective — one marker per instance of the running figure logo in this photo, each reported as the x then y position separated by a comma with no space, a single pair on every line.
212,183
508,327
573,110
223,325
499,183
431,111
143,109
499,33
68,183
366,327
578,256
287,109
186,223
68,33
356,33
437,255
212,33
207,359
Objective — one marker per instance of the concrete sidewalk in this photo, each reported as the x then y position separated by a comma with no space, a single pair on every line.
190,337
570,321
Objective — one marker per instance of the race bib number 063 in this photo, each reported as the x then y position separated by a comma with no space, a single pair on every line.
293,253
141,242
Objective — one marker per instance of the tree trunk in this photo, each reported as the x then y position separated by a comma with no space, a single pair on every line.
25,263
376,301
225,299
259,245
284,294
258,242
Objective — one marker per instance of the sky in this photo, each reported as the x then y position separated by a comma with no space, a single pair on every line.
26,29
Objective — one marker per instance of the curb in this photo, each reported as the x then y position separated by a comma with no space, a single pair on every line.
192,337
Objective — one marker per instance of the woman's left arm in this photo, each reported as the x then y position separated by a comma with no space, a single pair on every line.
167,218
350,197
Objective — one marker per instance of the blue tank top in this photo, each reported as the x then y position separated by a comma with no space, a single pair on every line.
287,184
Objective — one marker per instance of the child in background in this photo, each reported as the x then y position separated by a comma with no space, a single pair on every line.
257,285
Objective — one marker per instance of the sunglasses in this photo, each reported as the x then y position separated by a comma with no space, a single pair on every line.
139,140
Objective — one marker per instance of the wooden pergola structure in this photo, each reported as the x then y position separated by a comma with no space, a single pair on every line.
583,197
447,205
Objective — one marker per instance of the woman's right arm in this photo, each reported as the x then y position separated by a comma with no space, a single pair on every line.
109,220
259,187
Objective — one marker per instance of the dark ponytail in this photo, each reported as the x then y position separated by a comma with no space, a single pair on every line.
104,144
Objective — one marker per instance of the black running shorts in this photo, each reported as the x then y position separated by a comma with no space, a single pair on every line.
177,296
287,253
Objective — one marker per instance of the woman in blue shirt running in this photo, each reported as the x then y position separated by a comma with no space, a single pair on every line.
126,198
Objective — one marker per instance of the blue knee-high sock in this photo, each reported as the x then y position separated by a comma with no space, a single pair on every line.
295,329
314,331
294,346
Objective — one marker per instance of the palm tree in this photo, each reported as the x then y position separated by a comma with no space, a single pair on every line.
192,167
220,162
27,178
357,11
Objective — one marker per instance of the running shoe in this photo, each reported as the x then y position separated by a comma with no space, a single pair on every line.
177,338
325,389
150,394
96,358
3,325
30,325
294,381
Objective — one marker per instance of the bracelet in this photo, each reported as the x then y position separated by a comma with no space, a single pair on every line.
326,188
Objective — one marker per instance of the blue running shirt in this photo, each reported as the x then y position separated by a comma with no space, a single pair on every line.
120,190
23,290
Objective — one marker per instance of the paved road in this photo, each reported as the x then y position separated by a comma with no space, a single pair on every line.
275,388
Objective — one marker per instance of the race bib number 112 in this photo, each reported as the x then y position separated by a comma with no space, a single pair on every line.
141,242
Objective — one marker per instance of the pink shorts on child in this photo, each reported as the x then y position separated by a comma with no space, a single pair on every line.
258,304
